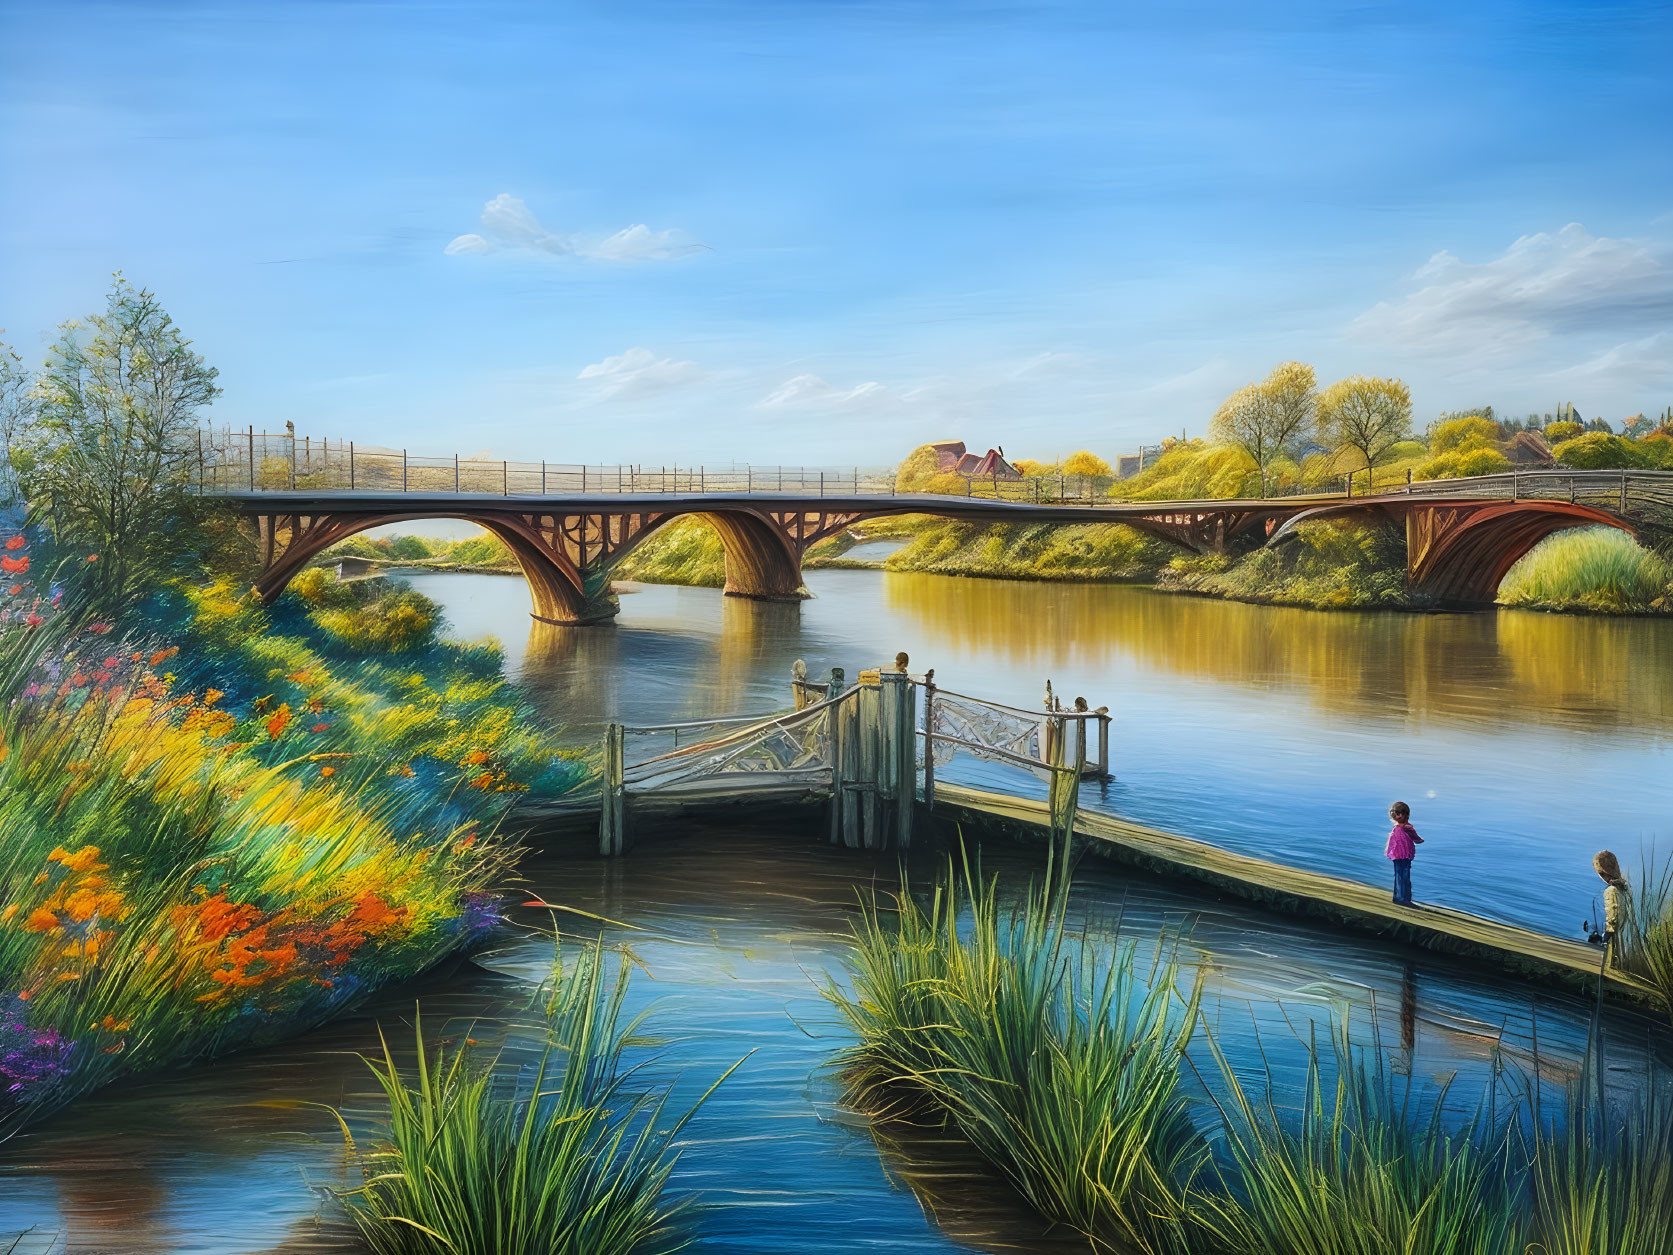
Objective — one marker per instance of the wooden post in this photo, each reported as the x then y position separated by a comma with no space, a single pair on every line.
351,466
1103,743
798,685
505,478
929,739
612,810
455,472
897,782
403,470
252,459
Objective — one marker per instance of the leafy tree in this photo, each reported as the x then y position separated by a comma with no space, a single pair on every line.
1368,415
1561,431
1601,450
1086,465
17,406
1472,431
107,450
1265,419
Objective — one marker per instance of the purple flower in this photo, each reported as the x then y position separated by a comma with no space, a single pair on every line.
31,1059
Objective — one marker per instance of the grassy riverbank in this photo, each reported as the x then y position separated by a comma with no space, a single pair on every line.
222,824
1067,1072
1598,570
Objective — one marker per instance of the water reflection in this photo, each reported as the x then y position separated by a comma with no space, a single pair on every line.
1573,672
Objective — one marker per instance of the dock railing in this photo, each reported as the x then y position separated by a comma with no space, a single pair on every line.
872,750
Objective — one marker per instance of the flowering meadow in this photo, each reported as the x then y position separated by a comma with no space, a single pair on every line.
220,824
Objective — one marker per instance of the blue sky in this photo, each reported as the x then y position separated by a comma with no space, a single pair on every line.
826,231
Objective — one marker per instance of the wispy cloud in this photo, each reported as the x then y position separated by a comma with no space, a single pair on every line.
508,225
639,373
1646,362
805,391
1541,285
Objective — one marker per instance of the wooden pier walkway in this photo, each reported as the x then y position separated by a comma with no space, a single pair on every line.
1348,904
870,754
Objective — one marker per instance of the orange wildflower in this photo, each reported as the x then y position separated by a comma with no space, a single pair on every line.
163,655
476,758
17,542
113,1025
484,781
40,920
279,722
211,696
6,915
85,859
327,772
14,566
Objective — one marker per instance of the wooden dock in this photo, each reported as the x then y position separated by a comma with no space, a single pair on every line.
870,755
1348,904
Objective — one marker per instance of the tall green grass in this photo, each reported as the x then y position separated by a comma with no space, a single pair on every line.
1594,568
485,1156
1646,943
1603,1191
1062,1069
1359,1173
1064,1073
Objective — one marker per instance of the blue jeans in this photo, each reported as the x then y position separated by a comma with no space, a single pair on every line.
1402,880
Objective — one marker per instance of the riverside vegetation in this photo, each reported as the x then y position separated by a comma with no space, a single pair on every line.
1068,1073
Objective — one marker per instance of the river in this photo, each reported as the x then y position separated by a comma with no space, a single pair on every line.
1523,742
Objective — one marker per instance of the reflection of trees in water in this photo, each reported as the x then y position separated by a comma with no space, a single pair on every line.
1569,670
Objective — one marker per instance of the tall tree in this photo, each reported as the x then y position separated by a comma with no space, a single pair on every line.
107,450
17,405
1266,419
1368,415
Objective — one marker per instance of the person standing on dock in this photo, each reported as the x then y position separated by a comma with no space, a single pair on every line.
1402,848
1615,892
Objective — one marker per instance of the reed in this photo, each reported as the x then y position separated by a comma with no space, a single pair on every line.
1057,1066
1594,568
1647,929
1359,1173
489,1156
1603,1191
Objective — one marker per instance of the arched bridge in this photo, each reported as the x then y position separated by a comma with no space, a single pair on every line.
1462,535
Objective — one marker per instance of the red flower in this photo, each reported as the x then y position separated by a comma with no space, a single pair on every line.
14,566
98,629
112,661
15,589
34,620
319,727
92,557
16,542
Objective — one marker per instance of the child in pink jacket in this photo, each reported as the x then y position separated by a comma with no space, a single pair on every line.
1402,848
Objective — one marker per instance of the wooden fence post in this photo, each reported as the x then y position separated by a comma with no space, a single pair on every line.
929,739
351,466
612,810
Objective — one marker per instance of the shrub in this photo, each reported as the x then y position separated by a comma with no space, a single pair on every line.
1598,451
1472,432
1194,470
1325,567
686,551
1086,465
1462,463
1563,429
916,469
1592,568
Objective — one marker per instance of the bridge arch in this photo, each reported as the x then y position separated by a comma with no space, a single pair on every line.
567,558
1458,552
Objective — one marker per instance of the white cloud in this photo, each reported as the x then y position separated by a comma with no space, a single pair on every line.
811,390
509,225
1647,362
1541,285
639,373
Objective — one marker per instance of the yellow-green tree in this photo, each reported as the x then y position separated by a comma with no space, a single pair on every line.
1366,415
1086,465
1267,418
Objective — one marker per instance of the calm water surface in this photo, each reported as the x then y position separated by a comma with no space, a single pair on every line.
1524,742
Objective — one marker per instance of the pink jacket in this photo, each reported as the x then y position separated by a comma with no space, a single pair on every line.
1403,841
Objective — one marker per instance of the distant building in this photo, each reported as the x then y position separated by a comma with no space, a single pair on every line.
1527,448
1128,464
952,456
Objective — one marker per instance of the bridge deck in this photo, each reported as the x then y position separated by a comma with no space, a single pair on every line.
1348,904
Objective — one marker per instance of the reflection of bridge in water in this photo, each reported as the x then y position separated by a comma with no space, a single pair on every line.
569,526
